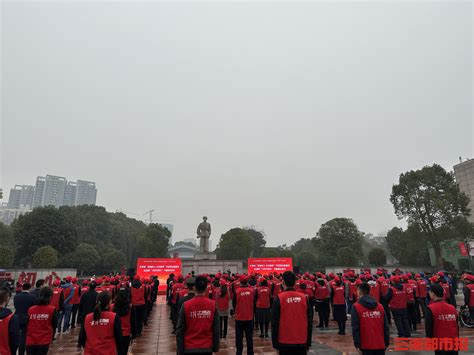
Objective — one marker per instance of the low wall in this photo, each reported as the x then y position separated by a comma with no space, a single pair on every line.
32,275
373,269
212,266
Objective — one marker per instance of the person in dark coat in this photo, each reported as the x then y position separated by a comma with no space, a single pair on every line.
38,286
87,303
191,293
22,302
369,324
9,324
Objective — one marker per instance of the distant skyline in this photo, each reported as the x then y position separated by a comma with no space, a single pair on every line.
278,115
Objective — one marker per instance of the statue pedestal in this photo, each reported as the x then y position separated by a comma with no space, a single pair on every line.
205,256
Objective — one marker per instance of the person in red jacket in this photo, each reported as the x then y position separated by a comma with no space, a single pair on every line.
101,333
384,285
138,297
411,306
468,291
9,325
292,319
369,324
222,296
57,300
175,289
339,304
397,301
76,298
42,323
262,307
242,303
322,296
422,293
197,331
441,321
123,309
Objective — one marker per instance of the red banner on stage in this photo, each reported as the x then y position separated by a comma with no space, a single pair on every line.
160,267
266,266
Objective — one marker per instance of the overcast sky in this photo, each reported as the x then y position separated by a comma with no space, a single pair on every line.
279,115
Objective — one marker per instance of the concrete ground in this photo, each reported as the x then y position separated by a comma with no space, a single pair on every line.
157,339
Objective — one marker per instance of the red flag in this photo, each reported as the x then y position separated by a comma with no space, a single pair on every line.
463,249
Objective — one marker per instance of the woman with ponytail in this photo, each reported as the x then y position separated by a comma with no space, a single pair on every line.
223,307
101,333
123,308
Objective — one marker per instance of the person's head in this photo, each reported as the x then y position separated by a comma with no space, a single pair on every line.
4,296
363,289
289,279
102,304
26,286
122,302
436,292
264,282
190,282
92,285
200,285
39,283
45,295
204,218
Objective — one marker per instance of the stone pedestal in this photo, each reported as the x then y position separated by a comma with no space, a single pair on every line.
212,266
205,256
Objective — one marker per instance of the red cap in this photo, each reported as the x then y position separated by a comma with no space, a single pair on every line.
56,283
379,272
441,274
68,278
395,279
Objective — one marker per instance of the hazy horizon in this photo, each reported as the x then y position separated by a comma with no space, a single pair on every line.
277,115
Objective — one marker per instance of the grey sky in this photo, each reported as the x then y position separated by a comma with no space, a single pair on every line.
279,115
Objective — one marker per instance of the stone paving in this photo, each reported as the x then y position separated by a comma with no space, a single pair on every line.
157,339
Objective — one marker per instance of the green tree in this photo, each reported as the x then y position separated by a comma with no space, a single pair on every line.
113,260
340,233
45,257
258,241
6,236
303,244
346,257
270,253
160,238
42,227
307,261
144,246
377,257
409,247
235,244
6,256
85,258
431,199
285,253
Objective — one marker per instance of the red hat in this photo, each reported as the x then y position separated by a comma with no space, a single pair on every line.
441,274
417,276
243,279
337,279
56,283
395,279
74,280
405,277
68,278
469,277
85,282
379,272
137,278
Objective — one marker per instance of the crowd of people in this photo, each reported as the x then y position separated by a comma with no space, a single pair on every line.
288,301
112,310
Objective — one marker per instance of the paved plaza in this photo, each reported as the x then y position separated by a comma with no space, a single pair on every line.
157,339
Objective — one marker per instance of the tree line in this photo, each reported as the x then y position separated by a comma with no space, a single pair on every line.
84,237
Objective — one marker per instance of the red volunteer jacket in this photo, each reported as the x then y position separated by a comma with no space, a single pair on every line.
339,296
199,314
4,335
293,322
39,330
445,319
399,298
371,323
422,288
55,298
138,295
471,294
100,334
244,303
222,302
263,297
322,292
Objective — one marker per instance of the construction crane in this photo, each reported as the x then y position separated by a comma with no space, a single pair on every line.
151,215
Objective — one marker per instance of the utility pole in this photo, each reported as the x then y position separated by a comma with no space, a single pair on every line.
150,213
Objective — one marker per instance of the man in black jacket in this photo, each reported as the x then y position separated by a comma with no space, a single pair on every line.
87,304
376,339
38,286
190,287
288,317
22,302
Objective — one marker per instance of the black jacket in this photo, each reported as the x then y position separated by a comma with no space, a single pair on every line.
87,304
13,329
36,292
22,302
181,327
276,320
371,303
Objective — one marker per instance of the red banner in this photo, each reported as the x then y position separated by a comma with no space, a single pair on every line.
266,266
463,249
160,267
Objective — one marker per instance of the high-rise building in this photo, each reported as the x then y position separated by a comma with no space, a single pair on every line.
70,193
86,193
464,173
54,190
21,196
39,192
